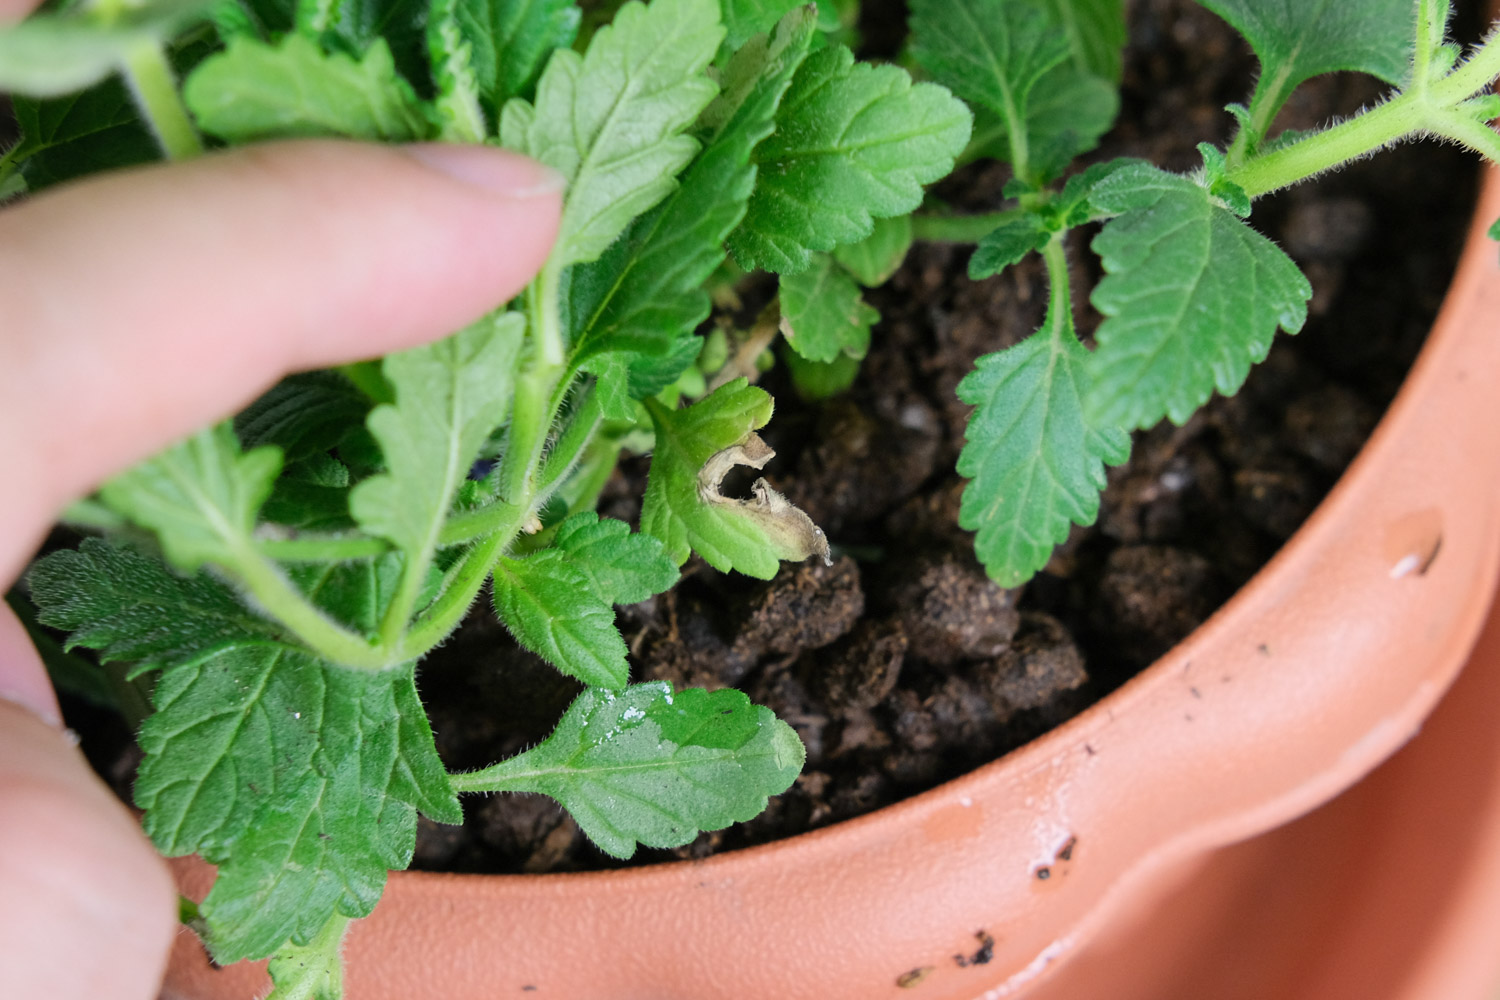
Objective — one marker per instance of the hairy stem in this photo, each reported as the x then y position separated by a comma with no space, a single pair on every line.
151,81
960,228
311,626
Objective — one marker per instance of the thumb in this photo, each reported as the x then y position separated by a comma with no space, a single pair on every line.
86,907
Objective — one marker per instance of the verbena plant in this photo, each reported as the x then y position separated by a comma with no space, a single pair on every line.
275,580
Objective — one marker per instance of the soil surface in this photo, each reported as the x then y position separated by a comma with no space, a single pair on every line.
901,665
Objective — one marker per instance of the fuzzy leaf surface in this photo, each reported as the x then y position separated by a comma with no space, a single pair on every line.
645,766
1299,39
200,496
253,91
744,19
695,448
1036,466
1066,115
823,314
989,52
129,606
325,769
1007,244
1192,296
550,607
853,143
611,121
1096,34
449,396
511,41
645,293
621,566
875,258
314,971
80,133
303,414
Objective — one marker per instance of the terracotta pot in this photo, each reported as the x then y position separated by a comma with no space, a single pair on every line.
1319,669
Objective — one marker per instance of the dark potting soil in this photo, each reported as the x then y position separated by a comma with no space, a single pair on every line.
901,665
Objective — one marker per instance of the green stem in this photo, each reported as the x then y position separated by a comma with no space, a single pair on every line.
314,629
1270,94
434,625
960,228
322,548
150,78
1470,77
1059,284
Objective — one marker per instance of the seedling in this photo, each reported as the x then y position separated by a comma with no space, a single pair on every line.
276,579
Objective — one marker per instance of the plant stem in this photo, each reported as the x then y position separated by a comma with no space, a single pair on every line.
151,81
1270,94
317,631
1059,285
322,548
434,625
959,228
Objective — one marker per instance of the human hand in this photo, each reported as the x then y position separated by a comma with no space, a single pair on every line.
136,308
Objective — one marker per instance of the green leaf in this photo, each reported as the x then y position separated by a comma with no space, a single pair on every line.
989,52
314,971
512,40
853,143
1096,34
303,414
52,54
356,593
551,608
820,379
1296,41
1036,465
129,606
610,121
649,767
449,396
1007,244
875,258
321,769
311,495
1191,297
253,91
401,24
457,104
823,314
200,496
621,567
1068,113
67,137
695,448
645,293
744,19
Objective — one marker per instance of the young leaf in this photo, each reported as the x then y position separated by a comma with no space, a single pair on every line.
853,143
362,24
457,102
823,314
511,40
449,397
649,767
1297,41
621,567
875,258
549,606
314,971
645,293
695,448
820,379
355,593
1192,297
322,843
744,19
1007,244
1096,34
253,90
989,52
610,121
129,606
1068,113
1035,463
200,496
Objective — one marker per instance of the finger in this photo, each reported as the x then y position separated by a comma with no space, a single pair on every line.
142,305
14,10
87,909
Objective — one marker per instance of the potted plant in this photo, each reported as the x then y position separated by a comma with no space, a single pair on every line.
606,333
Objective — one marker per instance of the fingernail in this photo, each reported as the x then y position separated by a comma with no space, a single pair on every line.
44,707
496,171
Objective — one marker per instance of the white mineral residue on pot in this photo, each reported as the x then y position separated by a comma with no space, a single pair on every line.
1044,958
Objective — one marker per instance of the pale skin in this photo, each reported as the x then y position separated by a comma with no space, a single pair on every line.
137,308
